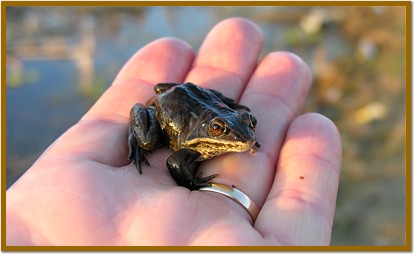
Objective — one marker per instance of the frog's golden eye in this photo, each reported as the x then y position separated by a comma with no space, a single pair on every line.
217,127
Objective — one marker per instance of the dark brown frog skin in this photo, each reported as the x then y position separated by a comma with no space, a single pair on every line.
196,123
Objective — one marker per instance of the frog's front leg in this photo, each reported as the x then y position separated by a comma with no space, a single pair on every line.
145,134
183,165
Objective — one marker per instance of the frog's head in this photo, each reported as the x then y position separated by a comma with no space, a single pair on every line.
231,132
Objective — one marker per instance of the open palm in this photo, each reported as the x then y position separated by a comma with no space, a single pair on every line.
83,191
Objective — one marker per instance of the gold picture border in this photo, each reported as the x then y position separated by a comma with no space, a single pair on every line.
408,9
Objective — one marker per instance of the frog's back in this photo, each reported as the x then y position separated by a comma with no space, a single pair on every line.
184,107
192,94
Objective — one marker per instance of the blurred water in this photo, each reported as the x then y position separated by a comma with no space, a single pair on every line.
74,54
41,108
38,113
61,59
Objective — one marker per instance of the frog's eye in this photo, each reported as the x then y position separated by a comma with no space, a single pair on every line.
217,127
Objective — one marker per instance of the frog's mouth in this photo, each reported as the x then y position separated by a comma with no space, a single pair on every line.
212,147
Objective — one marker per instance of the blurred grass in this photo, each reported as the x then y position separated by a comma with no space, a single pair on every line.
358,57
362,90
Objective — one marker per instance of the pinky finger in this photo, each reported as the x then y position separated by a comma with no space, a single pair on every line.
300,207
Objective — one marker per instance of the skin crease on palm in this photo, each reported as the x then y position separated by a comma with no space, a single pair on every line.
83,191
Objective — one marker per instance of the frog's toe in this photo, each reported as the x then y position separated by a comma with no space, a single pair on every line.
143,156
200,182
138,166
205,179
138,157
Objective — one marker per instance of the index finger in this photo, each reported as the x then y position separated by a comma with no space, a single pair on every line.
164,60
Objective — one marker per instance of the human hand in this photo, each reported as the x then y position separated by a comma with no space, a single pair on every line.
83,191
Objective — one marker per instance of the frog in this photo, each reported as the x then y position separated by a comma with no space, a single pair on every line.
196,123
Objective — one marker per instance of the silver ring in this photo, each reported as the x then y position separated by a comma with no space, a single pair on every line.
236,195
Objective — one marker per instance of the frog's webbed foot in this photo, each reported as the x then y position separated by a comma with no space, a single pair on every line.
144,135
204,181
182,166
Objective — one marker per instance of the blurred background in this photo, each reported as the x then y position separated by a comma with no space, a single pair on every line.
61,59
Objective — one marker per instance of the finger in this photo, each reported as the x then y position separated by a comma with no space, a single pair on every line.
275,94
225,62
102,133
300,207
164,60
227,57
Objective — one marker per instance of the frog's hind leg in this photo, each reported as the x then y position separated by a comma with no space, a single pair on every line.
144,135
229,102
